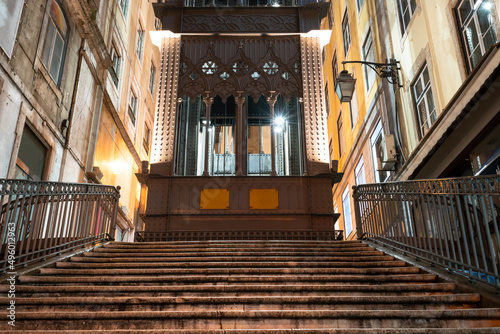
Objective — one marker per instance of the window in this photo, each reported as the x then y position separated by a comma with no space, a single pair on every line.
132,107
330,16
55,42
327,100
123,6
114,70
31,157
346,206
369,55
152,78
335,68
406,11
140,41
146,140
476,27
376,141
422,93
346,33
354,107
360,4
359,172
340,136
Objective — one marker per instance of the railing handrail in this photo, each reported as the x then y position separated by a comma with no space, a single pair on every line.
453,223
40,219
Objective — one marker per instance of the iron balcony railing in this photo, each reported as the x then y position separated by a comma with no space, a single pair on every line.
40,219
451,223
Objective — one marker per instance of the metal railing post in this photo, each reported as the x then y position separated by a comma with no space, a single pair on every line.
357,213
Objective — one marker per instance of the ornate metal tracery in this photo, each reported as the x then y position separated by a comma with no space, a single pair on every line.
240,66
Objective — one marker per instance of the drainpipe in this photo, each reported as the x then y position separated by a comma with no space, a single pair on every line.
67,123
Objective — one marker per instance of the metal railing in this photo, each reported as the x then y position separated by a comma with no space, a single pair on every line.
238,3
305,235
40,219
451,223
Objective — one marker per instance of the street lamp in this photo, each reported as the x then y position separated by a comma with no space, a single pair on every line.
345,82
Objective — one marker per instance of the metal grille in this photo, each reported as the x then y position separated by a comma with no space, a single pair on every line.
452,223
38,219
142,236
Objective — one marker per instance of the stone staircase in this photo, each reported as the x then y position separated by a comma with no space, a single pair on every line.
229,287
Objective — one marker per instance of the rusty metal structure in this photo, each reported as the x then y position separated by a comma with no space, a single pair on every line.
450,223
240,137
42,219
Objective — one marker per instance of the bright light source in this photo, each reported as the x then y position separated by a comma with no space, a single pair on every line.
116,167
279,121
278,129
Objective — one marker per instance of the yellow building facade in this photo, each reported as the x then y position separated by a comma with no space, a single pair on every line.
429,126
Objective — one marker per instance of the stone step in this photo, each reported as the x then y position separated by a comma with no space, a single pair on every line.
232,271
222,279
90,258
116,303
256,248
236,289
265,319
240,243
262,255
275,331
238,264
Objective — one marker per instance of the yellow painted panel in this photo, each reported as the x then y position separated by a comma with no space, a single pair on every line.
264,199
211,199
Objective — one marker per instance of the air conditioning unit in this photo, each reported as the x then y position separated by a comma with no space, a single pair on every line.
386,153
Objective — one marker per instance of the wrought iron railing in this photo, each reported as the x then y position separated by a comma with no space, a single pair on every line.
40,219
142,236
451,223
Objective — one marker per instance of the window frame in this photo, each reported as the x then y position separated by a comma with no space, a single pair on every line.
146,138
423,98
123,6
377,132
346,203
152,78
346,33
369,56
132,106
115,68
360,170
359,5
340,135
49,44
141,36
402,11
464,23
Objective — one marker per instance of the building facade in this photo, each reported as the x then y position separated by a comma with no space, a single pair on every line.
66,72
240,129
444,119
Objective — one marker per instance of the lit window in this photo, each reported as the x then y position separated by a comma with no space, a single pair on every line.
369,55
346,33
115,57
55,42
132,107
359,172
346,206
476,27
406,12
140,41
152,78
422,93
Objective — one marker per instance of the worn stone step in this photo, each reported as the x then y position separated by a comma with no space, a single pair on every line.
276,331
238,264
116,303
222,279
236,289
265,319
91,258
256,248
241,243
232,271
262,255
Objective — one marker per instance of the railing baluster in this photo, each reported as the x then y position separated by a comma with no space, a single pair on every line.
452,223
